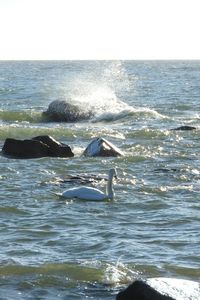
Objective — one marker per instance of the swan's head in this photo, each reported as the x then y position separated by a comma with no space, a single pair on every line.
112,173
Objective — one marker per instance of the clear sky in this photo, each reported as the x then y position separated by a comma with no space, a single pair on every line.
99,29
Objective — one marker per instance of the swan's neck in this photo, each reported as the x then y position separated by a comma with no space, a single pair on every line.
110,191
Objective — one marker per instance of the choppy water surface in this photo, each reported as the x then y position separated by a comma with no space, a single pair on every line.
57,249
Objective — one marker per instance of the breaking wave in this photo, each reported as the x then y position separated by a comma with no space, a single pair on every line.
31,116
105,111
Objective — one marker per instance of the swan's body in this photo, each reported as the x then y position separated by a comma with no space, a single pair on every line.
90,193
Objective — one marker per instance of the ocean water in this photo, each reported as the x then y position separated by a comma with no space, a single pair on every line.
69,249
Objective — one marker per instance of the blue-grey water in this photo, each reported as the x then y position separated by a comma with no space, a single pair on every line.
67,249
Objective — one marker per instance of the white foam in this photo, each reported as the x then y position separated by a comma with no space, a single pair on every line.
177,288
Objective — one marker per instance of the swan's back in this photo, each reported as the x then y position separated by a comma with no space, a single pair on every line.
84,193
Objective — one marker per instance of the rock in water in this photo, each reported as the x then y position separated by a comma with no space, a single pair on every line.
102,147
63,111
185,127
57,149
140,290
40,146
161,288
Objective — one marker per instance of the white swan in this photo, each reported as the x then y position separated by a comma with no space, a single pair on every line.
90,193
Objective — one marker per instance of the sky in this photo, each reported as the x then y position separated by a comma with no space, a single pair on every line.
99,29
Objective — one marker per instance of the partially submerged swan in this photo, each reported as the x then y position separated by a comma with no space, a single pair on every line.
91,193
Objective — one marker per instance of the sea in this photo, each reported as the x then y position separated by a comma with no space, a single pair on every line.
54,248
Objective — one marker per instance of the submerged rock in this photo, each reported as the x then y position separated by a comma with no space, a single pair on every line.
185,127
36,147
63,111
82,179
102,147
167,170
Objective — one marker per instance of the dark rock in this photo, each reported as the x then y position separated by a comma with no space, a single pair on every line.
57,149
35,148
186,127
82,179
166,170
102,147
139,290
25,148
63,111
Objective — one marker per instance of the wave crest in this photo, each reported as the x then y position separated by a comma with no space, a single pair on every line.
30,115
